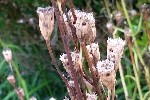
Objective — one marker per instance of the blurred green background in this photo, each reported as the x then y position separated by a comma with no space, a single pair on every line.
19,31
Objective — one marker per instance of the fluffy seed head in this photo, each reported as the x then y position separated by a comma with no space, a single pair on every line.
115,49
107,73
7,53
85,25
105,66
46,21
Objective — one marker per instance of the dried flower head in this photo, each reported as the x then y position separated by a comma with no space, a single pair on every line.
19,92
33,98
11,79
75,59
115,49
7,53
110,27
85,25
92,96
107,73
46,21
93,50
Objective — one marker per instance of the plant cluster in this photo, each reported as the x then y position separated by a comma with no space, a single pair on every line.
79,27
86,75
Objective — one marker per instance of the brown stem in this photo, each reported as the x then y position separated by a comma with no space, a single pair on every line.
72,10
128,39
73,30
91,70
113,92
85,75
147,28
54,62
83,85
148,32
14,85
65,43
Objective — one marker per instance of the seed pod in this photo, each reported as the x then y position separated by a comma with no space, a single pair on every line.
46,21
7,53
20,93
115,49
107,73
11,80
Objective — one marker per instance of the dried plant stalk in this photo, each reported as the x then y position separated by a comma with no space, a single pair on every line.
60,23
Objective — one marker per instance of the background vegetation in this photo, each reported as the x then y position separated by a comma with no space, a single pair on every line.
35,73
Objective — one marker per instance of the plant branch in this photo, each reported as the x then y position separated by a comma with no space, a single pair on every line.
134,68
123,82
91,70
65,43
54,62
